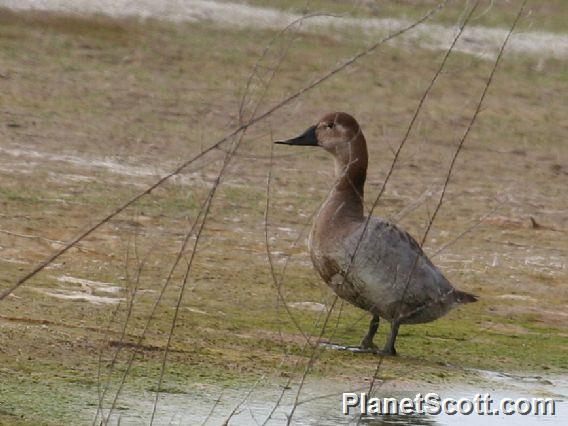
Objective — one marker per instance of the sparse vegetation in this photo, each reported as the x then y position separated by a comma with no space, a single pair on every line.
92,109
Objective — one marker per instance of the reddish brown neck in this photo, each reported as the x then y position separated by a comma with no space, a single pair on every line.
351,172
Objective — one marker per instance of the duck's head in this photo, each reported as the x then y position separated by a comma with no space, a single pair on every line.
332,132
340,135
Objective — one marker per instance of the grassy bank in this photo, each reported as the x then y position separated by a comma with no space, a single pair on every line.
93,109
544,15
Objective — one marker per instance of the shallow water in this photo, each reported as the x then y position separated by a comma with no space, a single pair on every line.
321,404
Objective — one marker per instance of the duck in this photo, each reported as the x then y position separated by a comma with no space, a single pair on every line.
368,261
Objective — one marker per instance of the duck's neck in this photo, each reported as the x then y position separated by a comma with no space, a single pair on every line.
346,199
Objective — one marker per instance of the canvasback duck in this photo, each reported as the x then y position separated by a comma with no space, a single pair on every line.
390,276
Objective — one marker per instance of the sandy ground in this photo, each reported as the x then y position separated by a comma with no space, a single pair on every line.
477,40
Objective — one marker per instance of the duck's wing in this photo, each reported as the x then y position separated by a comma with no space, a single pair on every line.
396,273
460,296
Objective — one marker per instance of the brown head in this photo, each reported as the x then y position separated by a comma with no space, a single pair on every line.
340,135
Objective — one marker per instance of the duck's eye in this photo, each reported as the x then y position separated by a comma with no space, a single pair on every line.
330,125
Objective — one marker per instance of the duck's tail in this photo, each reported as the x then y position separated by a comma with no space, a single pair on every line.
463,297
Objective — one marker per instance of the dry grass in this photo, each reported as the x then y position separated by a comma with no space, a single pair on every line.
93,108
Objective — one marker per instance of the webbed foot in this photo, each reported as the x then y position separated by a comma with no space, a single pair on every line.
368,346
387,351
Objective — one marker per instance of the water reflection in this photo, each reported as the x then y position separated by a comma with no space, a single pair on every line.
398,419
321,406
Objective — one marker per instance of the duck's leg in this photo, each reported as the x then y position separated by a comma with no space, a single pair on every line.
367,342
389,347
